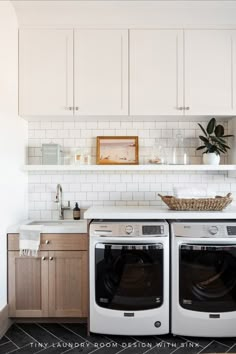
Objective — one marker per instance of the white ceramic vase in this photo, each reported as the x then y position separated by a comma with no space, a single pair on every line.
211,159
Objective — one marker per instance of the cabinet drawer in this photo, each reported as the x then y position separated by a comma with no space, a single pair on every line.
54,242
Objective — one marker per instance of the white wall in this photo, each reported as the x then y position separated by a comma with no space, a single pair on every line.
13,138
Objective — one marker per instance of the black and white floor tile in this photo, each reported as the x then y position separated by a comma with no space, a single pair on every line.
72,338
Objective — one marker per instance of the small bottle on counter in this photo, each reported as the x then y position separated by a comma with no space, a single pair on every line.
76,212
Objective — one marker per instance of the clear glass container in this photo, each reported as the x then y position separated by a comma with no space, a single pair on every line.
179,155
158,154
79,157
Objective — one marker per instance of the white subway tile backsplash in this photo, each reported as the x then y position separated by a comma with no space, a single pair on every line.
69,125
57,125
114,188
126,196
126,125
103,125
46,125
114,125
91,125
115,195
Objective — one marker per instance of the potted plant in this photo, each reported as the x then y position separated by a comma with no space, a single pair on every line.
214,142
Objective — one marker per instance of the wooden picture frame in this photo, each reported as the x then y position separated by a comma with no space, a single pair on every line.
117,150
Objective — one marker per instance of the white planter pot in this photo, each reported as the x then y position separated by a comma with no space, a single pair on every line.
211,159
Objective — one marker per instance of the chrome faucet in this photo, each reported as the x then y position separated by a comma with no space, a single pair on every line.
58,200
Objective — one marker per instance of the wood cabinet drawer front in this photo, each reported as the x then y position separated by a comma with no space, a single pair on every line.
54,242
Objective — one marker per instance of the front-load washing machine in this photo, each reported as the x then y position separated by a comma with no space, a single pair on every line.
203,281
129,277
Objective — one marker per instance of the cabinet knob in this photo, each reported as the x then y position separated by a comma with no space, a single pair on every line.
51,258
187,108
77,108
47,242
43,258
180,108
70,108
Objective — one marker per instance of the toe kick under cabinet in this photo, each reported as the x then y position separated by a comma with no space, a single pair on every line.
54,284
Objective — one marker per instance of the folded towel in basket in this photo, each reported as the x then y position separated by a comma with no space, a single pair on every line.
30,240
194,192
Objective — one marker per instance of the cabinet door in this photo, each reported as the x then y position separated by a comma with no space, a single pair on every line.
28,285
156,72
101,72
208,72
45,72
68,284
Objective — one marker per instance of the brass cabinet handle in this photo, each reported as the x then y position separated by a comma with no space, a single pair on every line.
43,258
51,258
47,242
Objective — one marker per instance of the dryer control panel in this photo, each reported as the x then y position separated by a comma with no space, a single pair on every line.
199,229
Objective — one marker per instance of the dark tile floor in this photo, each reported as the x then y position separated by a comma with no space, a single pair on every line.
72,338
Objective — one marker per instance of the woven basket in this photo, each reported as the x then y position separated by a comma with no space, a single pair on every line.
205,204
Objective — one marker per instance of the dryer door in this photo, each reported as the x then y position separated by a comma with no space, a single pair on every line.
129,276
207,277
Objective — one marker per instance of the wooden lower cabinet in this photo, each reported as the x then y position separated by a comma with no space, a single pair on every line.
68,295
27,285
54,284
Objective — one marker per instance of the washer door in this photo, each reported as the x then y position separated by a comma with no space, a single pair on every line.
207,277
129,277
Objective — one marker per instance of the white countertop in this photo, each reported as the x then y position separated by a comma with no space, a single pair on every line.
140,212
54,226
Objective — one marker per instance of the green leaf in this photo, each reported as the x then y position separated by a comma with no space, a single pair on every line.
218,140
221,150
211,126
201,147
225,146
219,130
204,132
204,139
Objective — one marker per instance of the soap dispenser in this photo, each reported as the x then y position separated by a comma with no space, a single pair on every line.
76,212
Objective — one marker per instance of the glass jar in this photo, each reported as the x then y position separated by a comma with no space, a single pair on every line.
79,157
158,154
179,151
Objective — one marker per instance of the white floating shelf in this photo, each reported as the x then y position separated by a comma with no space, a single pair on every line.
35,168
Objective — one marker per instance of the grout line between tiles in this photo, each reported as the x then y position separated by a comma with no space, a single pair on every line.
5,342
205,347
18,326
59,339
78,335
12,341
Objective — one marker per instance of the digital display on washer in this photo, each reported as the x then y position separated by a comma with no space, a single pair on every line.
231,230
152,229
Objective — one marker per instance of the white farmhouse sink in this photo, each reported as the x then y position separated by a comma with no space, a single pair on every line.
61,226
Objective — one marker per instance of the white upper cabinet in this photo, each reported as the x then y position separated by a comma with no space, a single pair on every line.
101,72
208,72
156,72
45,72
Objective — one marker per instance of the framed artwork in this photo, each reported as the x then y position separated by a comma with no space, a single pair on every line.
117,150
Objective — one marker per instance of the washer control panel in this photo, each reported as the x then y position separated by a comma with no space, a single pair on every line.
132,228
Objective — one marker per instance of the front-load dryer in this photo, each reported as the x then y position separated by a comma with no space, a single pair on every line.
203,281
129,277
